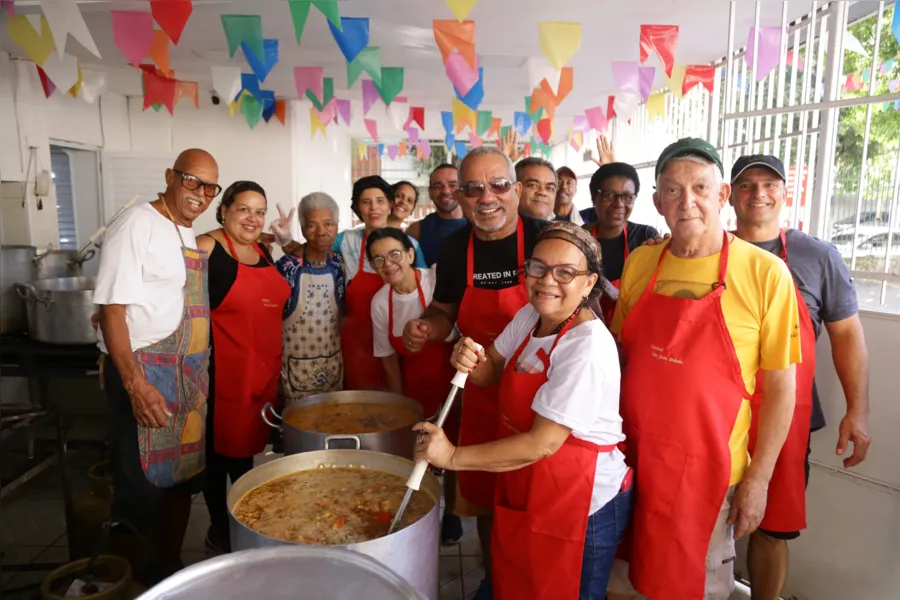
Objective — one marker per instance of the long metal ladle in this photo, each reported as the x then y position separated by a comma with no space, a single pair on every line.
415,480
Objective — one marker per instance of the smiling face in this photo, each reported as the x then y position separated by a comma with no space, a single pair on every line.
613,212
689,195
757,196
404,201
538,194
442,189
319,228
192,167
374,208
567,188
245,218
555,301
491,213
387,249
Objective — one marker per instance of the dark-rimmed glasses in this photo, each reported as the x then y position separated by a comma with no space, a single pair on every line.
194,183
560,273
610,196
475,189
394,256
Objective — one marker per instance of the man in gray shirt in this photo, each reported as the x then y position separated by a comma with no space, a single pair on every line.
820,275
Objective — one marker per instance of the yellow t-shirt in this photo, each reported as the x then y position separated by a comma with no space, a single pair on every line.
759,305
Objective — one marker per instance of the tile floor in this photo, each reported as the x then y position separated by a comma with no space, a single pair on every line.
33,531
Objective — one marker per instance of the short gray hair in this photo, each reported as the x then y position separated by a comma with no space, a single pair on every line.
489,150
317,201
534,161
695,158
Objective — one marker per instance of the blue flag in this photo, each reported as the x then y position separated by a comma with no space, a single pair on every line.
353,38
476,94
447,121
262,67
461,149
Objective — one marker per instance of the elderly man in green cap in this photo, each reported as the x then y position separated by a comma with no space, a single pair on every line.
697,318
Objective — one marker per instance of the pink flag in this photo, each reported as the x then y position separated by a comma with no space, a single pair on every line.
626,77
580,123
328,113
597,119
425,147
646,75
343,108
474,140
393,149
310,78
461,74
413,136
372,128
7,5
132,33
369,95
769,50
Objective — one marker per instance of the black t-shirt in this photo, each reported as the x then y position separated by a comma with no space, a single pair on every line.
223,273
496,263
613,249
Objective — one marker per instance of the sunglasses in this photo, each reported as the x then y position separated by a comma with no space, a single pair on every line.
475,189
561,273
194,183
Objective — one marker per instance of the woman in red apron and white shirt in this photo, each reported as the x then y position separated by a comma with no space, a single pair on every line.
563,494
247,297
372,201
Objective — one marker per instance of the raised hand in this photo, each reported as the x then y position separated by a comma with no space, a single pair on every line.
510,143
281,227
605,151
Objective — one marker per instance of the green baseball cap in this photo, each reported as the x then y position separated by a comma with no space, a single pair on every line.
687,147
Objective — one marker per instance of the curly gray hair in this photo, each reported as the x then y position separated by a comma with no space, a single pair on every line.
317,201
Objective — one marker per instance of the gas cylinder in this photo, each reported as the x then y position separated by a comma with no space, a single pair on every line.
90,509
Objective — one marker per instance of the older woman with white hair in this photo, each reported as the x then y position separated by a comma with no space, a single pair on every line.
311,357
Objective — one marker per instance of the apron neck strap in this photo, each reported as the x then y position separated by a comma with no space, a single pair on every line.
234,254
625,233
391,301
783,235
171,218
362,253
541,354
723,264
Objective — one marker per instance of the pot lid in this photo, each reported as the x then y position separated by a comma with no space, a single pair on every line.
322,573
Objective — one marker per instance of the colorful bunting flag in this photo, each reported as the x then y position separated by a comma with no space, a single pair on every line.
769,50
369,95
461,8
65,19
495,127
63,72
545,129
351,36
698,74
450,35
535,115
522,123
315,124
402,149
447,121
541,100
158,89
372,128
73,91
463,116
476,95
675,82
611,108
392,151
187,89
460,73
310,79
597,120
343,109
327,94
661,40
250,84
243,28
425,148
483,122
368,60
48,86
474,140
417,115
656,106
132,33
281,110
300,12
559,42
391,84
268,102
576,139
565,84
413,136
645,81
450,141
626,77
171,16
37,46
539,69
460,149
328,113
262,65
227,82
895,24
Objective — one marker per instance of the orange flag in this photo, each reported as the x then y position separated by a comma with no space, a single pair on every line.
402,148
566,83
452,34
495,127
159,51
187,89
541,98
280,109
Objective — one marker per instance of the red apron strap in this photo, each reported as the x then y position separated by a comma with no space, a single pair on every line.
625,233
520,242
470,259
362,253
783,236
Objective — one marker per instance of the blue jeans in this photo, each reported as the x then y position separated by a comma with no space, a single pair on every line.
604,530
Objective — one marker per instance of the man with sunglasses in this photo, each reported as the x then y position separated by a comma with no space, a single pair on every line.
154,335
538,195
480,287
447,217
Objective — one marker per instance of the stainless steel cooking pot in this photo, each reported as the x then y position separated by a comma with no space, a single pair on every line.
16,264
60,310
53,264
399,441
412,553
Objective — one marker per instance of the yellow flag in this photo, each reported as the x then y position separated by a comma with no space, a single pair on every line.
656,106
675,82
363,151
234,106
559,42
463,115
73,91
315,123
461,8
37,46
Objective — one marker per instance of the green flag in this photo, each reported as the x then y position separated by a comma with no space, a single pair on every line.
369,60
252,109
300,12
391,83
327,93
536,116
484,122
243,28
504,131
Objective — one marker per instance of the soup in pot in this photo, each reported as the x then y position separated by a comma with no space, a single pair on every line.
351,418
330,506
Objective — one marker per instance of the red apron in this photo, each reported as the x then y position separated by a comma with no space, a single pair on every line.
427,373
786,506
247,337
483,314
607,304
540,511
362,370
681,392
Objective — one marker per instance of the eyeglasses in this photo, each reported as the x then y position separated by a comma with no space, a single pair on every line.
561,273
394,256
193,183
610,196
475,189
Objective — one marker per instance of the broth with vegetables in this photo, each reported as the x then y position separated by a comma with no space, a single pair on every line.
330,506
351,418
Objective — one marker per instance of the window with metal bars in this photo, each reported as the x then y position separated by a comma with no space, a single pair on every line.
61,173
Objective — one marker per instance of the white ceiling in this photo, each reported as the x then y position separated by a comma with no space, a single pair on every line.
506,35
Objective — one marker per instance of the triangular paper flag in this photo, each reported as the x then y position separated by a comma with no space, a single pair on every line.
463,115
227,82
495,127
769,50
243,28
559,42
37,46
171,16
656,106
461,8
545,129
368,60
309,79
895,24
580,123
234,107
158,90
565,83
352,36
645,81
159,50
475,96
252,110
189,90
474,140
250,83
391,84
413,134
416,115
315,124
425,148
626,77
851,44
261,67
541,99
372,128
661,40
73,91
576,140
460,73
369,95
675,83
485,118
343,109
522,123
526,149
93,85
450,35
48,86
63,72
597,120
392,151
447,121
380,149
460,149
397,113
450,141
64,19
327,94
362,151
132,33
280,110
539,69
268,103
610,108
702,74
300,12
402,149
328,113
626,105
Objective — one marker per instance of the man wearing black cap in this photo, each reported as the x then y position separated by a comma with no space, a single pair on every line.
828,296
564,209
698,317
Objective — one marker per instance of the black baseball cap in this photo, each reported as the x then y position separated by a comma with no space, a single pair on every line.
689,147
567,172
758,160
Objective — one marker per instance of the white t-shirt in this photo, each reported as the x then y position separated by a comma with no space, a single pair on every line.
581,392
142,267
406,308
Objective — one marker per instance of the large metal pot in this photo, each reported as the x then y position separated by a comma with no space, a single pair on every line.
412,552
16,264
54,264
60,310
399,441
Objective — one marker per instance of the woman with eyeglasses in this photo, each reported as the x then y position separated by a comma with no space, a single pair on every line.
614,188
372,201
563,492
406,196
247,296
